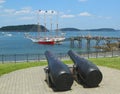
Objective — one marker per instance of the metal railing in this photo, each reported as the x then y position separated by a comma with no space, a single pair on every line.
9,58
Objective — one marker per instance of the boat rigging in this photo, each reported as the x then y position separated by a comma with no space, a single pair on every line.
51,39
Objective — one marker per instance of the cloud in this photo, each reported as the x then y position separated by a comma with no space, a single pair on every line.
9,11
108,17
85,14
82,0
26,10
104,17
68,16
2,1
16,13
26,18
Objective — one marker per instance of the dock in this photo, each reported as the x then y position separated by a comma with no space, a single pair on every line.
79,39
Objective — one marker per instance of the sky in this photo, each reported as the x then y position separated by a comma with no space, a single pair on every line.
81,14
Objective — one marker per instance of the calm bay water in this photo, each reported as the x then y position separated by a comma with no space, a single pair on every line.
16,43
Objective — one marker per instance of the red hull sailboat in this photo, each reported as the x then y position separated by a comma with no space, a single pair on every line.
47,40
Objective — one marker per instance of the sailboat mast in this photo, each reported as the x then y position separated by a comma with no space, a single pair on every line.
45,23
57,23
38,24
51,20
45,19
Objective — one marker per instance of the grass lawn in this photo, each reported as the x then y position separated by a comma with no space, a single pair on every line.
9,67
113,62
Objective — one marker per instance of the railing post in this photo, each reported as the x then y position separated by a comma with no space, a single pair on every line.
88,53
104,53
38,57
2,59
97,54
112,52
27,57
15,58
119,53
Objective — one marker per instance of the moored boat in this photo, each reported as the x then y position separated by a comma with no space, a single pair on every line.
49,40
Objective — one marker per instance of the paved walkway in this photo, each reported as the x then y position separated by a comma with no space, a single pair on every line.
31,81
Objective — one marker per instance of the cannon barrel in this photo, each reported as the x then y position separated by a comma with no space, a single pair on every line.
59,73
86,71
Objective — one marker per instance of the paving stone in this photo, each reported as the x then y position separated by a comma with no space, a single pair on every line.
32,81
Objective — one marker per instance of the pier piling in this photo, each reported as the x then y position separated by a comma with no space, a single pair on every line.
98,39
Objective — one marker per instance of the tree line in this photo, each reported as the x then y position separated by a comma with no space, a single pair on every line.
29,28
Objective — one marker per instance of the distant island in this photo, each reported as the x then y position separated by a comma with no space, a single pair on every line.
34,28
75,29
101,29
29,28
69,29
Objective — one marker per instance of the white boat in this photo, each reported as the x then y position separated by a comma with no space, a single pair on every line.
49,40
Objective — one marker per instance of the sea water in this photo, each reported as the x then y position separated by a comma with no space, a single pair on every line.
17,43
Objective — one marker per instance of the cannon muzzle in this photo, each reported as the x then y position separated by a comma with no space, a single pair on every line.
58,73
86,72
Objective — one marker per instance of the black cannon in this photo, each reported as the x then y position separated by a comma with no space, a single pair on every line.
85,71
58,74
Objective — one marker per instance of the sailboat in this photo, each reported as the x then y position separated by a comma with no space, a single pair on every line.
48,40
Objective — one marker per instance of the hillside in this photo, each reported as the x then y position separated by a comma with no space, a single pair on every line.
30,27
69,29
101,29
34,28
75,29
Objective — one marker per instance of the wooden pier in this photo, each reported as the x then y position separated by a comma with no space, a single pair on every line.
79,39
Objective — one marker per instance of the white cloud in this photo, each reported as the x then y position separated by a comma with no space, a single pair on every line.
108,17
85,14
9,11
26,10
2,1
68,16
26,18
15,13
82,0
104,17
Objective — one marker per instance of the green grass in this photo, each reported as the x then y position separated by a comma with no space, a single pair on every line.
113,62
9,67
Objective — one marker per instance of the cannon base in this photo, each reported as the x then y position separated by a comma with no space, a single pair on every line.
47,79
